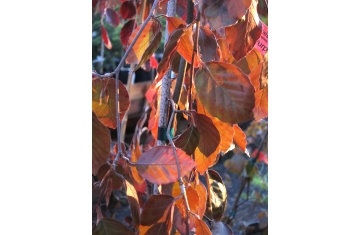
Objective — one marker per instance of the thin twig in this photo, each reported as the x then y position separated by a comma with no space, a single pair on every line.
182,186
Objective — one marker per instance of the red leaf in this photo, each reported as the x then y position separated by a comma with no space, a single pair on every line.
158,166
127,10
154,62
207,45
126,31
105,38
112,17
262,156
156,209
239,137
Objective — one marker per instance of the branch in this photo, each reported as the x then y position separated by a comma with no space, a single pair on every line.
182,186
117,69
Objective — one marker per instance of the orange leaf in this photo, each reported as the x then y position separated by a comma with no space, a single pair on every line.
225,54
146,44
201,227
261,95
100,144
175,23
243,35
186,46
192,196
225,91
158,166
104,100
239,137
156,209
250,61
134,203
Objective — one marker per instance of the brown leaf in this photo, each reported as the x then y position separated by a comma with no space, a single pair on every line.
239,137
225,92
221,13
158,166
218,196
146,44
188,140
100,144
207,45
117,182
261,95
175,23
104,100
225,54
109,226
243,35
156,209
134,203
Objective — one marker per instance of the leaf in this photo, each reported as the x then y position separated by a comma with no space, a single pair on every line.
134,203
221,13
126,31
239,137
192,196
100,144
209,135
250,61
117,182
104,100
225,54
264,73
218,194
169,52
112,17
188,140
225,92
109,226
202,193
236,164
158,229
135,155
201,227
261,95
203,162
127,10
220,228
186,46
207,45
158,166
156,209
105,38
243,35
175,23
146,44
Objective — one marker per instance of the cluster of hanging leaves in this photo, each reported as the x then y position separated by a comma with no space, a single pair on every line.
229,87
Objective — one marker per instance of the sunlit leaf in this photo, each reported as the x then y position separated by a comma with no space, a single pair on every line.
105,38
239,137
126,31
134,203
202,193
112,17
158,166
218,196
264,73
243,35
104,100
225,91
109,226
261,95
221,13
117,181
225,54
188,140
192,196
146,44
201,227
186,46
250,61
156,209
135,155
127,10
100,144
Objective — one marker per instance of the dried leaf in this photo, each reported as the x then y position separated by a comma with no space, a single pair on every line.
158,166
225,92
104,100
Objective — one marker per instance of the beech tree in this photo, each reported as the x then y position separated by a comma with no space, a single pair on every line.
212,77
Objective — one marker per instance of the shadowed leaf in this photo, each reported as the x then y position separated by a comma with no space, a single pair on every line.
134,203
156,209
126,31
109,226
225,91
104,100
261,95
112,17
207,45
100,144
158,166
127,10
188,140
